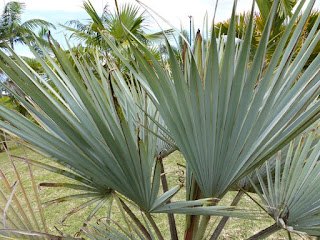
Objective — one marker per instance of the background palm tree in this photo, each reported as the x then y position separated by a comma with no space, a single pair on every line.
284,12
12,29
111,24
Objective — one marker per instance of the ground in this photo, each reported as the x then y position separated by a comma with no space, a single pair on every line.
235,228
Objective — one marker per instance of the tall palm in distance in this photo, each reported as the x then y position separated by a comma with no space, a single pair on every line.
113,25
13,30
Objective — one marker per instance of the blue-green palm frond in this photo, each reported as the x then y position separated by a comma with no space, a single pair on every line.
290,192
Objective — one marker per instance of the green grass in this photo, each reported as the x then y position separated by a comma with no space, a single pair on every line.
235,228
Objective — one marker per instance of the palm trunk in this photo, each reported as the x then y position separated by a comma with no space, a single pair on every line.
224,220
136,220
192,221
265,232
172,222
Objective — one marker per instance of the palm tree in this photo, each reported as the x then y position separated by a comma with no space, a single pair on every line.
284,11
13,30
115,25
226,116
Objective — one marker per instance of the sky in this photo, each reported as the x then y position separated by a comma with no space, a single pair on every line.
175,11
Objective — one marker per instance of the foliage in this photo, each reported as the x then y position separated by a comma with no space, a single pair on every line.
291,180
225,112
127,16
284,13
12,30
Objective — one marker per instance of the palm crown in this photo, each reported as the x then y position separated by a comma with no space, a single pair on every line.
12,29
127,16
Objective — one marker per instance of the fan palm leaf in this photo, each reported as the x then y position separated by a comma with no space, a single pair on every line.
230,119
114,128
86,128
290,192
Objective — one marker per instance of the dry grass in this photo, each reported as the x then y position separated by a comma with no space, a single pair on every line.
235,228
